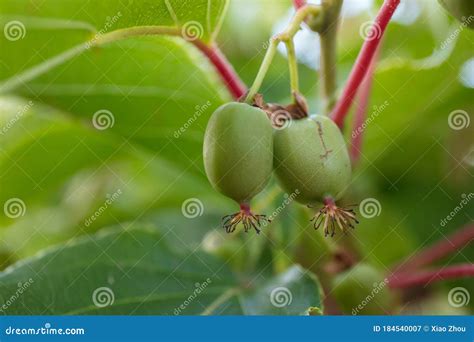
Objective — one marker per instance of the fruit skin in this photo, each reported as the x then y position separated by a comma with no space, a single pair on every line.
238,150
463,10
362,290
310,155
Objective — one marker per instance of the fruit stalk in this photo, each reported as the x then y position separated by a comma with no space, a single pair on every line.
293,67
285,36
328,43
363,61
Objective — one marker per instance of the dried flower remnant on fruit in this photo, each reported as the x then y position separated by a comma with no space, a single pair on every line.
330,217
310,154
247,218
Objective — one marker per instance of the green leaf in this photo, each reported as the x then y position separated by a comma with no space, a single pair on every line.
132,271
35,32
40,147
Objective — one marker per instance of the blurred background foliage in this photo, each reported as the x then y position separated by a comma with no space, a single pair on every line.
413,163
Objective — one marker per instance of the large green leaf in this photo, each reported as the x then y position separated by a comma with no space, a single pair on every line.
133,271
152,86
38,30
172,83
40,147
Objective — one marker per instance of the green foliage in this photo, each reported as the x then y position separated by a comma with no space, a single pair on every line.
158,94
149,278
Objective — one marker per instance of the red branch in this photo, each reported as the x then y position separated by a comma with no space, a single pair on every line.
363,61
404,280
299,3
225,70
439,250
361,111
406,274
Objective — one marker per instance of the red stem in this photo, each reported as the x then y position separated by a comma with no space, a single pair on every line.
404,280
299,3
225,70
439,250
361,111
363,61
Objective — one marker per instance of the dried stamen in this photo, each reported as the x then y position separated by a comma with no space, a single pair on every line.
246,217
331,217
